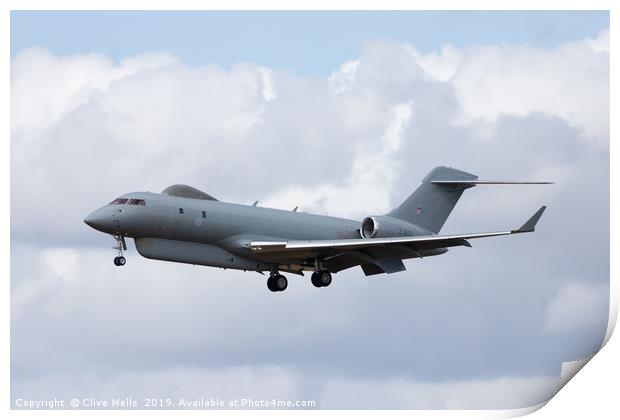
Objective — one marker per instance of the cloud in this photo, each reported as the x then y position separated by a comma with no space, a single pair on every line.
48,87
268,383
400,393
577,306
372,174
570,82
342,79
161,330
255,382
139,323
247,132
440,66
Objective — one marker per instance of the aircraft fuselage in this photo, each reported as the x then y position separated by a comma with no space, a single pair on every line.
186,225
213,233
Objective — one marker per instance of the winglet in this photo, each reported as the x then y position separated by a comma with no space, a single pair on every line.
531,223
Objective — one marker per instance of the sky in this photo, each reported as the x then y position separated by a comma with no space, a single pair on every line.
344,121
307,43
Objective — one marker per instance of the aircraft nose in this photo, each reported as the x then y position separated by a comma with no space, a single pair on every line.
100,221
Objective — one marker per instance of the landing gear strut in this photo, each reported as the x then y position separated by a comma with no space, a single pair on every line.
321,278
120,246
277,282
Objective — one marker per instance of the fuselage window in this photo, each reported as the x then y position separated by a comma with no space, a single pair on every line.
204,214
136,202
119,201
180,210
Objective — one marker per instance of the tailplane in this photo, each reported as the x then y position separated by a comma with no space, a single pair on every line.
432,202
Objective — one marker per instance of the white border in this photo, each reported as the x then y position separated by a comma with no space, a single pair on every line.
593,393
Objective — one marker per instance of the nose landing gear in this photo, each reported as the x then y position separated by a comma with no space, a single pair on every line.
120,246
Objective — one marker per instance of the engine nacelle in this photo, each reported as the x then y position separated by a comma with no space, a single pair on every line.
386,227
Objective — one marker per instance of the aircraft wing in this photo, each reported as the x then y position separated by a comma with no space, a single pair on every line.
361,249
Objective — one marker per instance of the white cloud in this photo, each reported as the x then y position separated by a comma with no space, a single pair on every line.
269,92
367,187
570,81
216,128
342,79
441,66
600,44
577,306
400,393
46,87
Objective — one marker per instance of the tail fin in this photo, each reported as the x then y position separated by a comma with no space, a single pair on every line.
431,203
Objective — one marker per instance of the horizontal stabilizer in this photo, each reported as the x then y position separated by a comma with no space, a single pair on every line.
476,182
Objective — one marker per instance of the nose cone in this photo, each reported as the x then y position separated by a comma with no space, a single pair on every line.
101,221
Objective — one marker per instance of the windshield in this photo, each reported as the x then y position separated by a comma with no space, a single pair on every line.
136,202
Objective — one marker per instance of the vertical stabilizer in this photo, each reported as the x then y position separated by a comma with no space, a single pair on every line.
430,204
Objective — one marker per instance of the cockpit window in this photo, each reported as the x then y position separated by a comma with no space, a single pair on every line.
136,202
119,201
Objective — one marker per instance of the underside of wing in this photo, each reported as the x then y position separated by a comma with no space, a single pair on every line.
385,253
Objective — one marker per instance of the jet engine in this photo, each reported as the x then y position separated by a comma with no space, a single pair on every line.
385,227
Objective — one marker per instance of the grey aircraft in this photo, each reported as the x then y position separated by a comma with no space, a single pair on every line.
183,224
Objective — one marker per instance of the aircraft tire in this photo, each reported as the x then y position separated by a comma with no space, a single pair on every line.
315,279
121,261
324,278
271,284
116,261
280,282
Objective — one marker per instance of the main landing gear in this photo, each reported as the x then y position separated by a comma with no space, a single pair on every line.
120,246
321,278
277,282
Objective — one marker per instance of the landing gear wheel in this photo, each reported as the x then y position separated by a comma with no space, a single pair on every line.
315,279
277,283
270,284
324,278
280,282
120,247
